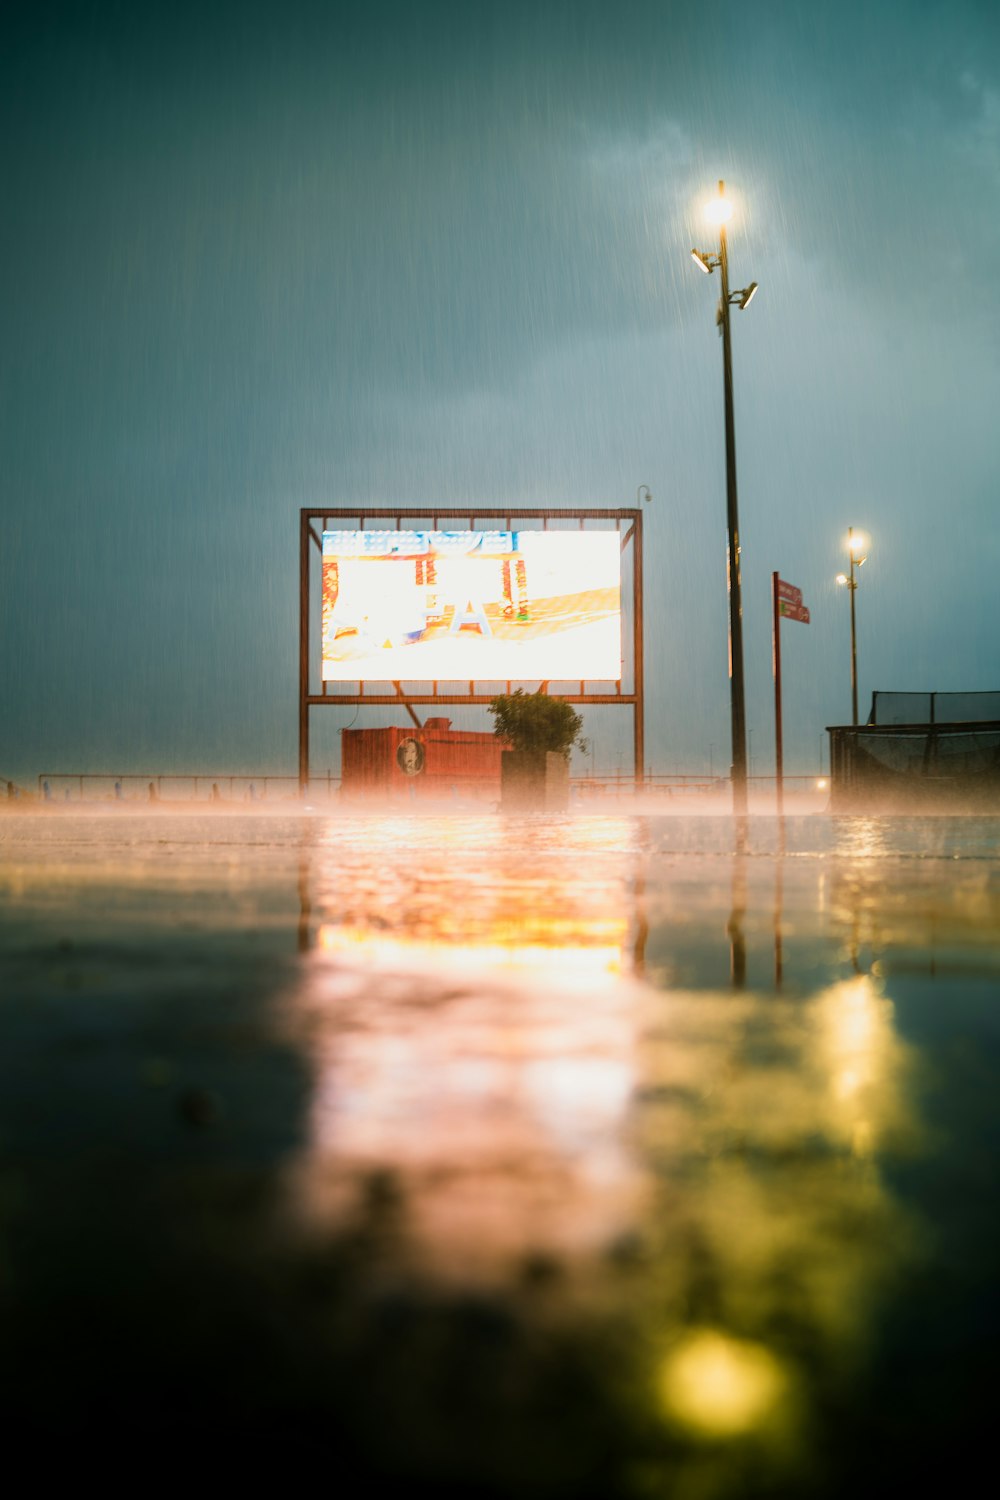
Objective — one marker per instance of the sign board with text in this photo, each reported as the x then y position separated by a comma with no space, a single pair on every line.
790,605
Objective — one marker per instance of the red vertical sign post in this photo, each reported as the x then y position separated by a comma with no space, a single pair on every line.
786,600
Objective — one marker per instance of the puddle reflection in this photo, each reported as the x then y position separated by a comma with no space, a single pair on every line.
536,1094
508,1110
474,1031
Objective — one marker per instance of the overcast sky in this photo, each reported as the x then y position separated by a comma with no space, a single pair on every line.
263,256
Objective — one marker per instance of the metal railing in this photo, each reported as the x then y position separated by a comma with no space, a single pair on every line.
688,785
158,786
231,788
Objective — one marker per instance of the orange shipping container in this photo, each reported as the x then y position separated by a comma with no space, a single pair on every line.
434,763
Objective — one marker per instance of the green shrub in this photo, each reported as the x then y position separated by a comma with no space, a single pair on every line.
534,721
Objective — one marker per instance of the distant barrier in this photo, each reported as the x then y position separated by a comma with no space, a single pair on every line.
912,767
907,709
171,788
680,787
155,786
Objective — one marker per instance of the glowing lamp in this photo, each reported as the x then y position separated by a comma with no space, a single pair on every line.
718,210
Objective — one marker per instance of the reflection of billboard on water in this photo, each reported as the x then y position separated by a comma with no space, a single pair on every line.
487,605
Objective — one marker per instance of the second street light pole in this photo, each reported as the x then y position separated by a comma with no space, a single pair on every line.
855,544
854,642
720,211
853,630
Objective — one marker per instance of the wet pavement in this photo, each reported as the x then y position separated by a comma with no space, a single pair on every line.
565,1157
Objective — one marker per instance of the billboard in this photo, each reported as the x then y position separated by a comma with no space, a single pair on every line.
465,605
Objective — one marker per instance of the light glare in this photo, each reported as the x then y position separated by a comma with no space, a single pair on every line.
718,210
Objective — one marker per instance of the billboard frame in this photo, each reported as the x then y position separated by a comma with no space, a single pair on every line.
629,527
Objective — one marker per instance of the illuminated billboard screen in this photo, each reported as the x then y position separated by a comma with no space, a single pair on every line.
465,605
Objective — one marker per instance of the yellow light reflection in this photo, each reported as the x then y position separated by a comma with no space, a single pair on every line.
861,1050
863,838
721,1387
570,964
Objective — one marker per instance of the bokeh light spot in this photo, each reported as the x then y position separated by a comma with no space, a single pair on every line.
719,1386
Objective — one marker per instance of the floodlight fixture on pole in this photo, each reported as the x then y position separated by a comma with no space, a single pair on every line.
855,545
720,211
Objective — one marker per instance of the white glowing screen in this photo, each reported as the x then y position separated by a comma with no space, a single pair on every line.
487,605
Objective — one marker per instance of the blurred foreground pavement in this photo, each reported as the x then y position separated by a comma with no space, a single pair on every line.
562,1158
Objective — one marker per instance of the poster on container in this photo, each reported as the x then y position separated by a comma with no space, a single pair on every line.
491,606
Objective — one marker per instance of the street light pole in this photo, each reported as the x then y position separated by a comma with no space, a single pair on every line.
854,641
736,686
709,263
854,545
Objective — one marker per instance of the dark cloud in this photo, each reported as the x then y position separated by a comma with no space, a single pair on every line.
257,255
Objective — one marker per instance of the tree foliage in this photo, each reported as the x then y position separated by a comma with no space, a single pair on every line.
534,721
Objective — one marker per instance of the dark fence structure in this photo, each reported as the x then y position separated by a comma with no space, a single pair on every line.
899,762
934,708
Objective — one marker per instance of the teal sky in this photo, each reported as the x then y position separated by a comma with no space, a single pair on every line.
257,257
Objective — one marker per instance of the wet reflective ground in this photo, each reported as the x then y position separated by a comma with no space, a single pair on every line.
570,1157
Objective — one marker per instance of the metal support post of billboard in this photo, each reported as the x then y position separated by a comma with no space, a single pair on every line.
638,715
629,523
778,749
304,538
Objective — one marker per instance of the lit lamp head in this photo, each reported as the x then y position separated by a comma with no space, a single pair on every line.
719,211
856,544
702,261
841,578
